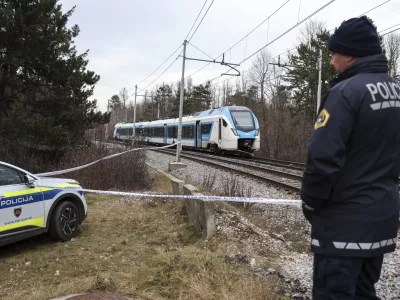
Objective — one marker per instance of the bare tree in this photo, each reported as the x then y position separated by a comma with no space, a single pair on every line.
123,95
261,71
245,81
310,31
392,49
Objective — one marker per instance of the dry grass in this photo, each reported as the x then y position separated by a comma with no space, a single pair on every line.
143,249
124,172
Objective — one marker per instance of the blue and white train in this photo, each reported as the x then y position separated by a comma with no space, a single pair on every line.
231,129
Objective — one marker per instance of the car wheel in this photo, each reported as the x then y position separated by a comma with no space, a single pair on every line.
64,221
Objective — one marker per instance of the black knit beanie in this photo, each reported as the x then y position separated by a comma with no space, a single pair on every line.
356,37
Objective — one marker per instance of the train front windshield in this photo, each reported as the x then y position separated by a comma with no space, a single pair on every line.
243,120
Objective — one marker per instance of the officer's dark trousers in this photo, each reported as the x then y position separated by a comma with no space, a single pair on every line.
345,278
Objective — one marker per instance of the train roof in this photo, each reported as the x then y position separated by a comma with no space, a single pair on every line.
220,110
224,110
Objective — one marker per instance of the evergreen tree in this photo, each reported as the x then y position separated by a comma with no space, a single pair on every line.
44,83
163,98
188,106
303,76
201,97
115,102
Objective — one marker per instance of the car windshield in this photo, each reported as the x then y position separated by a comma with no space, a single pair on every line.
243,120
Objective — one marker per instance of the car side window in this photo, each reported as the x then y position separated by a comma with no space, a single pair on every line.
10,176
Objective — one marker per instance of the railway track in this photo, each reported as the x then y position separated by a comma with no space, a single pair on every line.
287,181
280,163
276,177
266,161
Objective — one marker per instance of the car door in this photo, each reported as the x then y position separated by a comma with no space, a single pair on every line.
21,206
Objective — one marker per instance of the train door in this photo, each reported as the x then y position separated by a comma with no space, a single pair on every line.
165,133
198,134
219,133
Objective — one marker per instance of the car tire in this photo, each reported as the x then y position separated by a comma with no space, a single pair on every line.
64,221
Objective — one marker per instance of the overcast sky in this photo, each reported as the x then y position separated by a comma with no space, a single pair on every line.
129,39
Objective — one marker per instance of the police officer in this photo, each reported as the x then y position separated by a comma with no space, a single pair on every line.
350,189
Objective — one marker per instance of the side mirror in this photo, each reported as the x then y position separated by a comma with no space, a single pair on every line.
29,180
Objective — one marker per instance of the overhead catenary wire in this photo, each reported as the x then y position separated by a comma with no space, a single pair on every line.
390,31
374,8
245,59
174,51
161,73
294,48
201,21
159,66
289,30
177,49
389,28
196,20
245,37
283,34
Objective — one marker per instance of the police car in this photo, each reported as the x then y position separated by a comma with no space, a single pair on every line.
31,205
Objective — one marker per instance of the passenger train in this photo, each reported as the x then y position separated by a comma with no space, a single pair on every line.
230,129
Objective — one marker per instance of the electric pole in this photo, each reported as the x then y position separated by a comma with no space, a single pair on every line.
319,69
134,117
108,108
179,146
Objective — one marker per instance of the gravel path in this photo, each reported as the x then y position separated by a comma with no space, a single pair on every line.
295,265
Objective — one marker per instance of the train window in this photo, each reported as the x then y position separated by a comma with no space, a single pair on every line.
171,132
224,123
158,132
130,131
243,120
187,132
205,128
184,132
191,131
211,111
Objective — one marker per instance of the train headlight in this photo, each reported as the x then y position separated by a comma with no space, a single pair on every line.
257,131
234,132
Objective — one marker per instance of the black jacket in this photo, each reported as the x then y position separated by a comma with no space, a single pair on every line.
350,189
